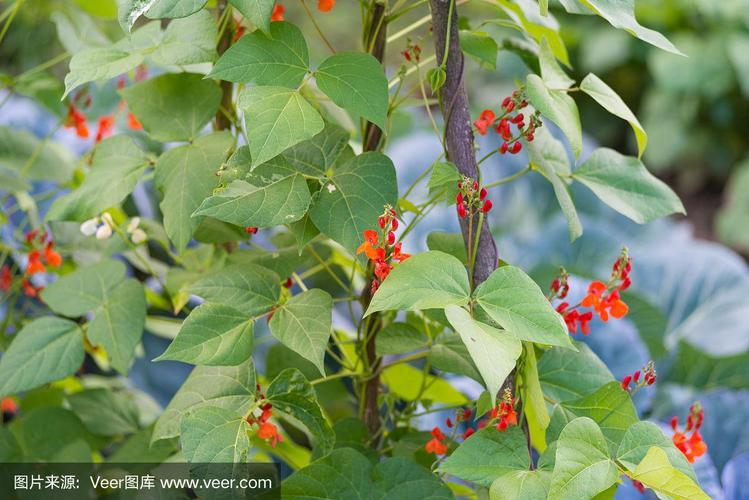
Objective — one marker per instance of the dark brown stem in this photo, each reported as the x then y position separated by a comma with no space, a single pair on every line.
374,40
223,119
459,138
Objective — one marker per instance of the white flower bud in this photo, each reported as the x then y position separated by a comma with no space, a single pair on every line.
138,236
88,228
108,219
133,225
104,232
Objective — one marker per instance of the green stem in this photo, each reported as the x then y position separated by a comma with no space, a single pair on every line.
510,178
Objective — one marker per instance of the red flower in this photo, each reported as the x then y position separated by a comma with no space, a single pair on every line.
8,405
397,254
603,306
6,279
436,445
34,264
77,120
505,412
637,484
278,11
368,247
268,431
693,446
105,127
52,257
468,433
516,147
325,5
484,121
486,206
29,289
133,122
250,230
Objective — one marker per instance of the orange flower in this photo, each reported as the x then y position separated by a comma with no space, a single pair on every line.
484,121
436,445
368,247
133,122
397,254
611,304
105,127
77,120
269,431
52,257
34,264
8,405
278,11
29,289
325,5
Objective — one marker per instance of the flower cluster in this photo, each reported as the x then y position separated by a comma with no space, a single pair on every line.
505,411
505,120
41,254
437,444
103,226
381,248
648,378
412,53
471,198
602,298
259,419
692,446
462,415
105,125
279,10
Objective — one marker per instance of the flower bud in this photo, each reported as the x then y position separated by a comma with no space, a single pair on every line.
486,206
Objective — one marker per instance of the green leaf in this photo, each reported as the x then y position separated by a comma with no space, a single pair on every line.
99,63
41,441
257,11
512,299
610,407
44,350
543,6
228,387
191,40
487,455
583,466
186,176
408,383
346,473
558,107
450,243
128,11
356,82
552,74
640,438
735,210
354,196
85,289
281,59
115,170
445,176
521,485
621,14
450,354
76,30
549,157
272,194
213,334
480,46
695,368
277,118
46,161
494,351
303,325
527,16
248,288
656,472
399,338
611,102
173,107
624,184
171,9
214,435
317,156
118,323
429,280
104,412
292,395
566,375
534,403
